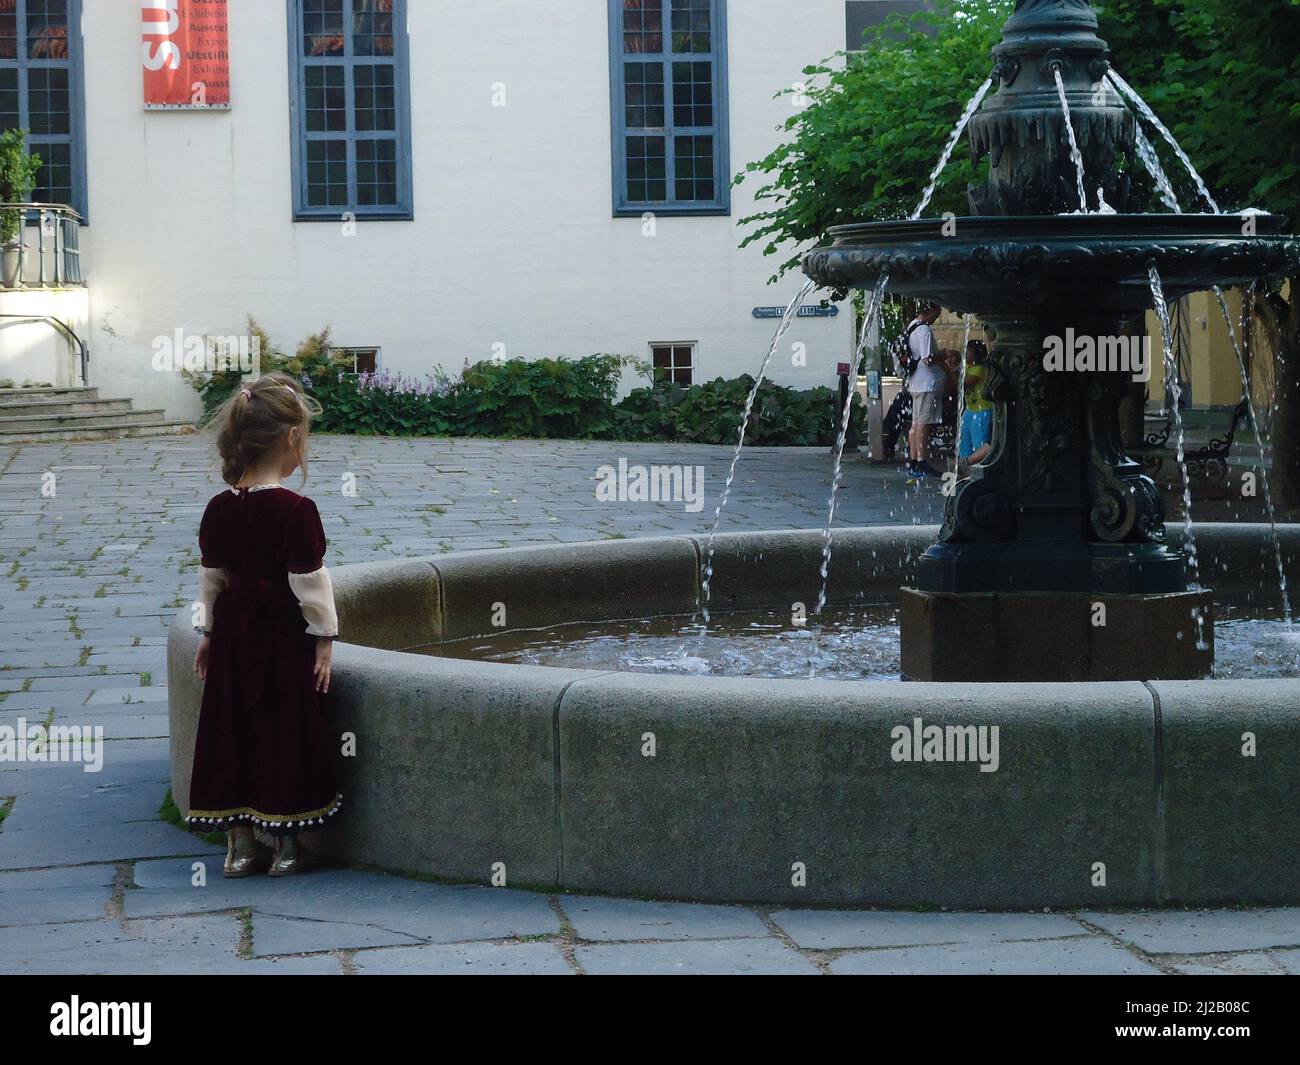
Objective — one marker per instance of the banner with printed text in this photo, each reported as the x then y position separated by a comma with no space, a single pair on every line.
186,54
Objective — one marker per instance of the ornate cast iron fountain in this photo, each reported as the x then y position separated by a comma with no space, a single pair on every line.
1058,519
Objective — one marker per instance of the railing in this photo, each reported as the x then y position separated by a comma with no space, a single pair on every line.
47,251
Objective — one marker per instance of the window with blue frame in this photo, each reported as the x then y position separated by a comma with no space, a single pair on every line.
668,73
351,109
41,91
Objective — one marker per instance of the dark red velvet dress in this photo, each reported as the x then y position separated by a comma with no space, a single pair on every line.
264,755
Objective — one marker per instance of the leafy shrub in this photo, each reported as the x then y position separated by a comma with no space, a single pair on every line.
710,414
570,399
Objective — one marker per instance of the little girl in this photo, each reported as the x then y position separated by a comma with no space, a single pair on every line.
262,758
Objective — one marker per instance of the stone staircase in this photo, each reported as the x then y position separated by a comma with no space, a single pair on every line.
37,415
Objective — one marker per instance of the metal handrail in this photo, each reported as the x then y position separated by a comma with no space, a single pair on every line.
58,224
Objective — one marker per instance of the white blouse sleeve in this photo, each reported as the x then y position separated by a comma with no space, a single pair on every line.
211,584
315,593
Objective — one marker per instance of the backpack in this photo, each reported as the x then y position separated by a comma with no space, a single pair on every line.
900,351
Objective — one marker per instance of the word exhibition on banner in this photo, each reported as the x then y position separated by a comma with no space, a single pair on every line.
186,46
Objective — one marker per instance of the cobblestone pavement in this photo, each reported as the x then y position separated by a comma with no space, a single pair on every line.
95,561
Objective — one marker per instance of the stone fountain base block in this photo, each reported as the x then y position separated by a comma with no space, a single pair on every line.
1049,636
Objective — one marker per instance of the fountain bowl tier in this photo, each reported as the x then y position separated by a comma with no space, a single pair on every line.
785,791
1054,264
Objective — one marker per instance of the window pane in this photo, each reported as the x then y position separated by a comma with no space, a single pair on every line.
682,375
682,356
377,173
322,27
48,102
644,87
47,28
372,27
367,360
647,173
326,104
663,358
8,32
54,179
327,173
376,106
9,118
692,26
693,94
643,26
693,158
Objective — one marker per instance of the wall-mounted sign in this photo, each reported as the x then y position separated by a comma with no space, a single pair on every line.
804,312
186,54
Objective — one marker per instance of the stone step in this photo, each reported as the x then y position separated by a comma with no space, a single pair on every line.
59,405
91,420
107,431
28,394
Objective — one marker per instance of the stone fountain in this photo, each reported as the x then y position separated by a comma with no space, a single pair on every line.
1059,529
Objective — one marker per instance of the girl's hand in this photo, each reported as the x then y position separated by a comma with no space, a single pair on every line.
201,657
324,656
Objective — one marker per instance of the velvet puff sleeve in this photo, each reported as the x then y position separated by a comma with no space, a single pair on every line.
304,553
212,574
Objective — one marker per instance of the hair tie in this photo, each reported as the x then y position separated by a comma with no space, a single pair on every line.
246,392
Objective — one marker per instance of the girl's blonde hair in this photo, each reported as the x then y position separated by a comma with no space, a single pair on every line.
253,422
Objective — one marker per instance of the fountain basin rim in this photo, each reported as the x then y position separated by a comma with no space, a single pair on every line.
1063,226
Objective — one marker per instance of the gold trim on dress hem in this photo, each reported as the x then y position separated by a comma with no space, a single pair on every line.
256,815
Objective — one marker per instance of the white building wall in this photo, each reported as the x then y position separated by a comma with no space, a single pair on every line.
513,240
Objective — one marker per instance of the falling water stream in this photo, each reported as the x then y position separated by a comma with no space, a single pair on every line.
948,148
787,319
870,314
1147,153
1263,459
1075,154
1127,90
1175,387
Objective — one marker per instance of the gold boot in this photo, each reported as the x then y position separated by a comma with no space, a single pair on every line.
244,855
291,857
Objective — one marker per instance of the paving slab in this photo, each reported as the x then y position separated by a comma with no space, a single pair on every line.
838,929
432,912
597,918
170,946
51,896
1202,931
468,959
300,935
1086,956
725,957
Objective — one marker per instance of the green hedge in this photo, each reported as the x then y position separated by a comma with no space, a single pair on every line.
572,399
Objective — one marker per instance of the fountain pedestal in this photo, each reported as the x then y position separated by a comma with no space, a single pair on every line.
1050,636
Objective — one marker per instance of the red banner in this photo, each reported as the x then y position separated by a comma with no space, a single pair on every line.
186,53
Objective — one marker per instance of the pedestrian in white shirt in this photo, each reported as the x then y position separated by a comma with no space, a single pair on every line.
927,384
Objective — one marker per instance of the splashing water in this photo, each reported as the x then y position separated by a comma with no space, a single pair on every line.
869,316
1075,154
1151,161
1171,377
948,148
1263,461
1126,90
787,319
